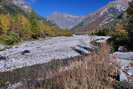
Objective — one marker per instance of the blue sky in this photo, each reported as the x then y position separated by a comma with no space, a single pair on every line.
74,7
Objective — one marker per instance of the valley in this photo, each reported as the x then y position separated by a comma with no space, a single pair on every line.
50,53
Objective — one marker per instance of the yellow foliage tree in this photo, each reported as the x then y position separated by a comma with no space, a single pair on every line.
25,27
5,23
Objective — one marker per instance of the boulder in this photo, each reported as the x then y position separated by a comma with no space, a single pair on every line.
25,52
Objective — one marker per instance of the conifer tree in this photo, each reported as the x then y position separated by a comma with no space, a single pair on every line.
129,26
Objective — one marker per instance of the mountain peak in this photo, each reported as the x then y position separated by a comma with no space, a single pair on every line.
63,14
65,21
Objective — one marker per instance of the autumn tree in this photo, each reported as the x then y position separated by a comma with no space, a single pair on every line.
5,23
24,27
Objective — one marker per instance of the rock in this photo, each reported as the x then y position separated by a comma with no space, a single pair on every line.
124,55
25,52
2,58
122,49
2,46
123,76
86,48
15,86
82,51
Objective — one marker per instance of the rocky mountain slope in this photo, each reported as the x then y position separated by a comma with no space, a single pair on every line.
105,17
65,21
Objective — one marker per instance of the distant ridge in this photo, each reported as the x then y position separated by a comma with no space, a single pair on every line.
65,21
105,17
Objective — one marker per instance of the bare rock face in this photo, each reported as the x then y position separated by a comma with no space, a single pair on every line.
22,4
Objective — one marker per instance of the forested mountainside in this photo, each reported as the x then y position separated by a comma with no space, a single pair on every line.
19,22
106,17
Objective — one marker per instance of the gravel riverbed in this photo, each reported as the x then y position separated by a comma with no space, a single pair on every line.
42,51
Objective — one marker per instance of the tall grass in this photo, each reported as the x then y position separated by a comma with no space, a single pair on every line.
95,71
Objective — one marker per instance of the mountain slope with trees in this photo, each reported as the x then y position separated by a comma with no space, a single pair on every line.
105,17
19,22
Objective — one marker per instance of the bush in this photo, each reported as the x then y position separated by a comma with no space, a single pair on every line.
10,39
119,37
121,85
102,32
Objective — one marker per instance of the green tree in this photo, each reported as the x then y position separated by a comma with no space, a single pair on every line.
35,25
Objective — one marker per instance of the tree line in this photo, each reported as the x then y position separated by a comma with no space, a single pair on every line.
17,28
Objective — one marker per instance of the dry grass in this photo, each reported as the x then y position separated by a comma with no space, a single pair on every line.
95,71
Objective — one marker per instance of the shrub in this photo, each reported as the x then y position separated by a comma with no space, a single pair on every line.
119,37
10,39
121,85
102,32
